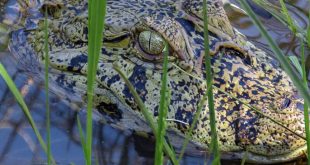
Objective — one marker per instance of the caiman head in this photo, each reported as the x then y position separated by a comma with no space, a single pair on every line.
134,39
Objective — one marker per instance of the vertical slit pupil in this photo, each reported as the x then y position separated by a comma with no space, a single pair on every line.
150,38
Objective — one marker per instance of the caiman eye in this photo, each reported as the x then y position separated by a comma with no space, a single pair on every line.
150,46
151,42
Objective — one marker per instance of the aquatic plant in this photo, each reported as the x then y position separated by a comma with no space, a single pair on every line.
96,11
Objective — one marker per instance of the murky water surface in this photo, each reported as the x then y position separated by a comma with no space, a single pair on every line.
111,146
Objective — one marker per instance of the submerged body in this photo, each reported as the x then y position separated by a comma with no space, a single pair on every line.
134,37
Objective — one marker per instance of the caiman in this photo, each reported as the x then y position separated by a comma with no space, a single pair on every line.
134,39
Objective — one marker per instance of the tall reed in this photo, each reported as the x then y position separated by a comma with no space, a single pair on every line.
289,19
96,16
209,80
46,59
306,105
163,110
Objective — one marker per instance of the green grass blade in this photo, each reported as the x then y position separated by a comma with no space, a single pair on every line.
214,141
244,158
147,115
308,30
163,109
48,122
96,11
295,62
280,56
81,133
23,105
306,105
288,17
308,34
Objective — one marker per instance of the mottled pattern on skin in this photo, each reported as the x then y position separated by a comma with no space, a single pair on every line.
239,68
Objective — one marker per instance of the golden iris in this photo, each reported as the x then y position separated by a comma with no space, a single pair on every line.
151,42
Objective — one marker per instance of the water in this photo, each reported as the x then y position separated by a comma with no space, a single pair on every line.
111,146
289,44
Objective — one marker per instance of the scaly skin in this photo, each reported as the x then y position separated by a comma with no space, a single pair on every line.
239,68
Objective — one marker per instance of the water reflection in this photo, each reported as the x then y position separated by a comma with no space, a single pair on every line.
111,146
290,45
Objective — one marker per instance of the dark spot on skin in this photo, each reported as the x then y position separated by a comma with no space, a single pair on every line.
181,83
150,10
110,110
242,83
245,95
105,52
182,115
277,79
245,130
160,16
212,43
234,109
128,97
219,82
138,79
222,139
77,63
260,89
254,92
61,80
112,80
228,65
103,78
236,73
156,110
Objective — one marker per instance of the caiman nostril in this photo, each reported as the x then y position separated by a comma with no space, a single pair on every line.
286,103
